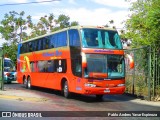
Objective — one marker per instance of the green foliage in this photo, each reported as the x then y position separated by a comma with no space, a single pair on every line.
49,24
10,51
144,24
13,26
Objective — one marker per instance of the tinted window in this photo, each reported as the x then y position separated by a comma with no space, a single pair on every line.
60,66
46,43
55,40
50,65
26,49
61,39
74,39
77,66
97,38
52,41
46,66
30,47
22,49
35,45
40,44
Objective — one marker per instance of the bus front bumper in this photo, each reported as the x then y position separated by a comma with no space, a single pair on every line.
103,91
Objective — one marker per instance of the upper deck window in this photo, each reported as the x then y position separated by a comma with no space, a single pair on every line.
97,38
74,39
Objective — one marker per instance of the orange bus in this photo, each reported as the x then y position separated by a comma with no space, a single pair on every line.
82,59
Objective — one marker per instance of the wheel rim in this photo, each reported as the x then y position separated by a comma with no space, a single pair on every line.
29,83
25,82
66,89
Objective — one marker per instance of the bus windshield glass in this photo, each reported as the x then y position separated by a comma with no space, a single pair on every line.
112,65
98,38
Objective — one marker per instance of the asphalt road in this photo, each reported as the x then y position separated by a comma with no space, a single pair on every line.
17,98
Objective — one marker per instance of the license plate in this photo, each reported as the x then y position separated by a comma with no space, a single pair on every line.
107,90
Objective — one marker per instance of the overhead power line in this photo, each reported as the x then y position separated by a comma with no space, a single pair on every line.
9,4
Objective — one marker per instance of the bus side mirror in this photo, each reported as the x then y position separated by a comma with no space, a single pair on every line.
131,61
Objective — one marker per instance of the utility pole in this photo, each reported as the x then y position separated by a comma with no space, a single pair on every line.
1,68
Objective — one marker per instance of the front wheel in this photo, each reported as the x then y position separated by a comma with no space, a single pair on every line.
66,92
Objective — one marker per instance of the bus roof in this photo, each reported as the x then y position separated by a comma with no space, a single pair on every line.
72,27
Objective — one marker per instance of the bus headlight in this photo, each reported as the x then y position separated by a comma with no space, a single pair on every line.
89,85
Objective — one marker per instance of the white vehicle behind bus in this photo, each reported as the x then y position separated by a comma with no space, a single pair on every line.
9,71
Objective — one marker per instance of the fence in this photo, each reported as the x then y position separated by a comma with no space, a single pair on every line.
144,80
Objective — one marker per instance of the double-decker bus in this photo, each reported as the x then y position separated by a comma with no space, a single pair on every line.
82,59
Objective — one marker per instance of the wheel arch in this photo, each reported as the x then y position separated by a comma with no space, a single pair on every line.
63,81
24,77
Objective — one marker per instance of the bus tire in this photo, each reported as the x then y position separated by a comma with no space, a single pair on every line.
99,97
29,86
66,92
25,82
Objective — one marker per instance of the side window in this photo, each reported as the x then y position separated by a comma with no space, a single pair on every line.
36,47
46,66
55,40
60,66
74,39
42,66
77,66
50,65
32,66
22,49
40,44
34,44
62,39
45,43
30,47
25,47
51,41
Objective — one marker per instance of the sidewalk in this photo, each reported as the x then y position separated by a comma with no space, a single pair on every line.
21,95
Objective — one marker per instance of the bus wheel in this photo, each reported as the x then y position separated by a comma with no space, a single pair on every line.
66,92
29,86
99,97
25,82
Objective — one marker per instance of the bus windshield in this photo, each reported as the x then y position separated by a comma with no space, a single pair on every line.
112,65
98,38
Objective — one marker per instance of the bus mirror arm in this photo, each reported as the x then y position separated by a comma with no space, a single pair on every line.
84,64
131,61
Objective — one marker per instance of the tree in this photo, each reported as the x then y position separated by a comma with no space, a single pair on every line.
48,24
63,22
144,24
110,24
14,25
10,50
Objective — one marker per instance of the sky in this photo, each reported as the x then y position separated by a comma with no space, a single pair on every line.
85,12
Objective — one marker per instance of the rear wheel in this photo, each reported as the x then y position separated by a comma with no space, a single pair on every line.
66,92
25,82
29,86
